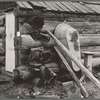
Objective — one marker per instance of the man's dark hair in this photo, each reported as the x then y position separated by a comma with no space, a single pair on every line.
36,21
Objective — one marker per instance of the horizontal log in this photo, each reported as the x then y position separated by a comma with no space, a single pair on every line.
91,48
89,41
50,25
85,25
89,35
27,13
88,27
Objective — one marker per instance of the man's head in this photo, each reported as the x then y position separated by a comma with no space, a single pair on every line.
36,21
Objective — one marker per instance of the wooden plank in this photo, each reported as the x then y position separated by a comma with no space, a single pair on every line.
10,34
62,6
35,3
92,7
50,5
97,8
85,7
57,6
89,9
71,5
67,6
20,4
27,5
44,5
79,9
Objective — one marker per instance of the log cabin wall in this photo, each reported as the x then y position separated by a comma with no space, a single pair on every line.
87,22
83,16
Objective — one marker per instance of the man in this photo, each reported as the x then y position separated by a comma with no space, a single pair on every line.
32,59
32,26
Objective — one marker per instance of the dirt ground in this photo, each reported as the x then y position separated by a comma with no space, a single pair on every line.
25,90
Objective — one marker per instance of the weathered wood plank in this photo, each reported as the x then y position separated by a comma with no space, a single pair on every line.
27,5
78,7
35,3
58,6
71,5
20,4
44,5
50,5
67,6
10,35
93,8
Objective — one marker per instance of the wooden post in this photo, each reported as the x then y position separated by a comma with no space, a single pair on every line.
10,35
88,60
